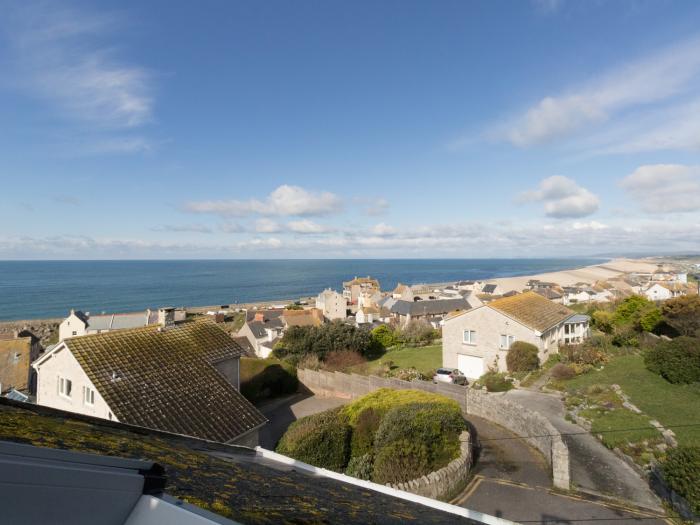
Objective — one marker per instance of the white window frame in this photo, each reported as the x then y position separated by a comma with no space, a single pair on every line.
509,340
88,396
65,387
469,337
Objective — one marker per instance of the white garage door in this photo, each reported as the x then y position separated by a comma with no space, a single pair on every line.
471,366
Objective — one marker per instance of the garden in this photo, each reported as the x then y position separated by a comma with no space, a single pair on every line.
387,436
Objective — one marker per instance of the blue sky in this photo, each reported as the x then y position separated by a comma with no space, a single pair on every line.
348,129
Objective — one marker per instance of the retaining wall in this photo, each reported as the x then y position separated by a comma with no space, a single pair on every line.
447,482
535,428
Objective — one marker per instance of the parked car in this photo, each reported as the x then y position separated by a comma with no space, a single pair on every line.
449,375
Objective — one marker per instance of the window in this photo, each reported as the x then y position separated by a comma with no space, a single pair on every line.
469,337
74,332
88,396
506,341
65,386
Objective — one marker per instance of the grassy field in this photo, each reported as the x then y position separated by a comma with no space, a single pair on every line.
669,404
425,359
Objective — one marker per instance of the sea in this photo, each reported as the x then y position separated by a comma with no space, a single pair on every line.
49,289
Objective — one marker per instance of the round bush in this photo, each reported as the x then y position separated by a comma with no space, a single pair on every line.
682,472
562,371
677,361
416,439
322,440
522,357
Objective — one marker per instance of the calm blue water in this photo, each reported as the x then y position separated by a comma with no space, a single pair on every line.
43,289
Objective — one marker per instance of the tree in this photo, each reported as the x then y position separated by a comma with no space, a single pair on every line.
299,341
683,314
637,312
386,336
603,321
418,332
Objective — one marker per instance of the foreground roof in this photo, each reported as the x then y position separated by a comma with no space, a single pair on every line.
235,482
166,379
532,310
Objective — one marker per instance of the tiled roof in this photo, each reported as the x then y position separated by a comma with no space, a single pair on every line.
310,317
232,481
548,293
489,288
437,307
165,379
532,310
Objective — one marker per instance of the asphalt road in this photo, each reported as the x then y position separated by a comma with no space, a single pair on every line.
594,468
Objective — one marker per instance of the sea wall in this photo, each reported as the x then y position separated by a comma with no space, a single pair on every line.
533,427
446,483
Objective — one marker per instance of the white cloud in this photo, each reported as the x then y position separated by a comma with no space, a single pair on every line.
563,198
286,200
182,228
232,227
377,207
58,59
383,230
267,226
665,188
592,225
665,74
308,227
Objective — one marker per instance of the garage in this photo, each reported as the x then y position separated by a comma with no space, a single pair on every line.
470,365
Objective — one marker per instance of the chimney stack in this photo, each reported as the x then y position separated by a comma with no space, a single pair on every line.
166,317
260,316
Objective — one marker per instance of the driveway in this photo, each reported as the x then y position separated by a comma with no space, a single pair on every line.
594,468
512,480
284,411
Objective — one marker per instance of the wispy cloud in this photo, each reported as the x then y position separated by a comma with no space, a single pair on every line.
286,200
71,200
562,198
665,188
628,87
63,56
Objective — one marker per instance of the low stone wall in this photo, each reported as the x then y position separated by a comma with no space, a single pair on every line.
446,483
45,329
535,428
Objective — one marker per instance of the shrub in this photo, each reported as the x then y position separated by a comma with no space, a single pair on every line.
683,314
562,371
341,359
681,470
310,362
603,321
637,312
266,378
322,440
361,467
406,374
522,357
431,430
586,353
677,360
418,333
625,336
386,336
385,399
363,433
496,382
299,341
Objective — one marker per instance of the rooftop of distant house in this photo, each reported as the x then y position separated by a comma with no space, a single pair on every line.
532,310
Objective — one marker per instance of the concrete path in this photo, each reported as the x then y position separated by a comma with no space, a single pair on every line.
284,411
594,468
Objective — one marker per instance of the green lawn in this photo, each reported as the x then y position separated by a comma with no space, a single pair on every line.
669,404
425,359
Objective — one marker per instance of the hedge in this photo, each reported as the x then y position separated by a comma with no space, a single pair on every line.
522,357
677,361
681,470
385,399
322,440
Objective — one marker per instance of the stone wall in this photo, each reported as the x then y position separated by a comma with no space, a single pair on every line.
535,428
446,483
45,329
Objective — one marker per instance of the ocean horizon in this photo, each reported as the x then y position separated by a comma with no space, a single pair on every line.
49,289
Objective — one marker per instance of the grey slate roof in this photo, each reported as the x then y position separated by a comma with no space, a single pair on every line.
489,288
578,318
117,321
437,307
